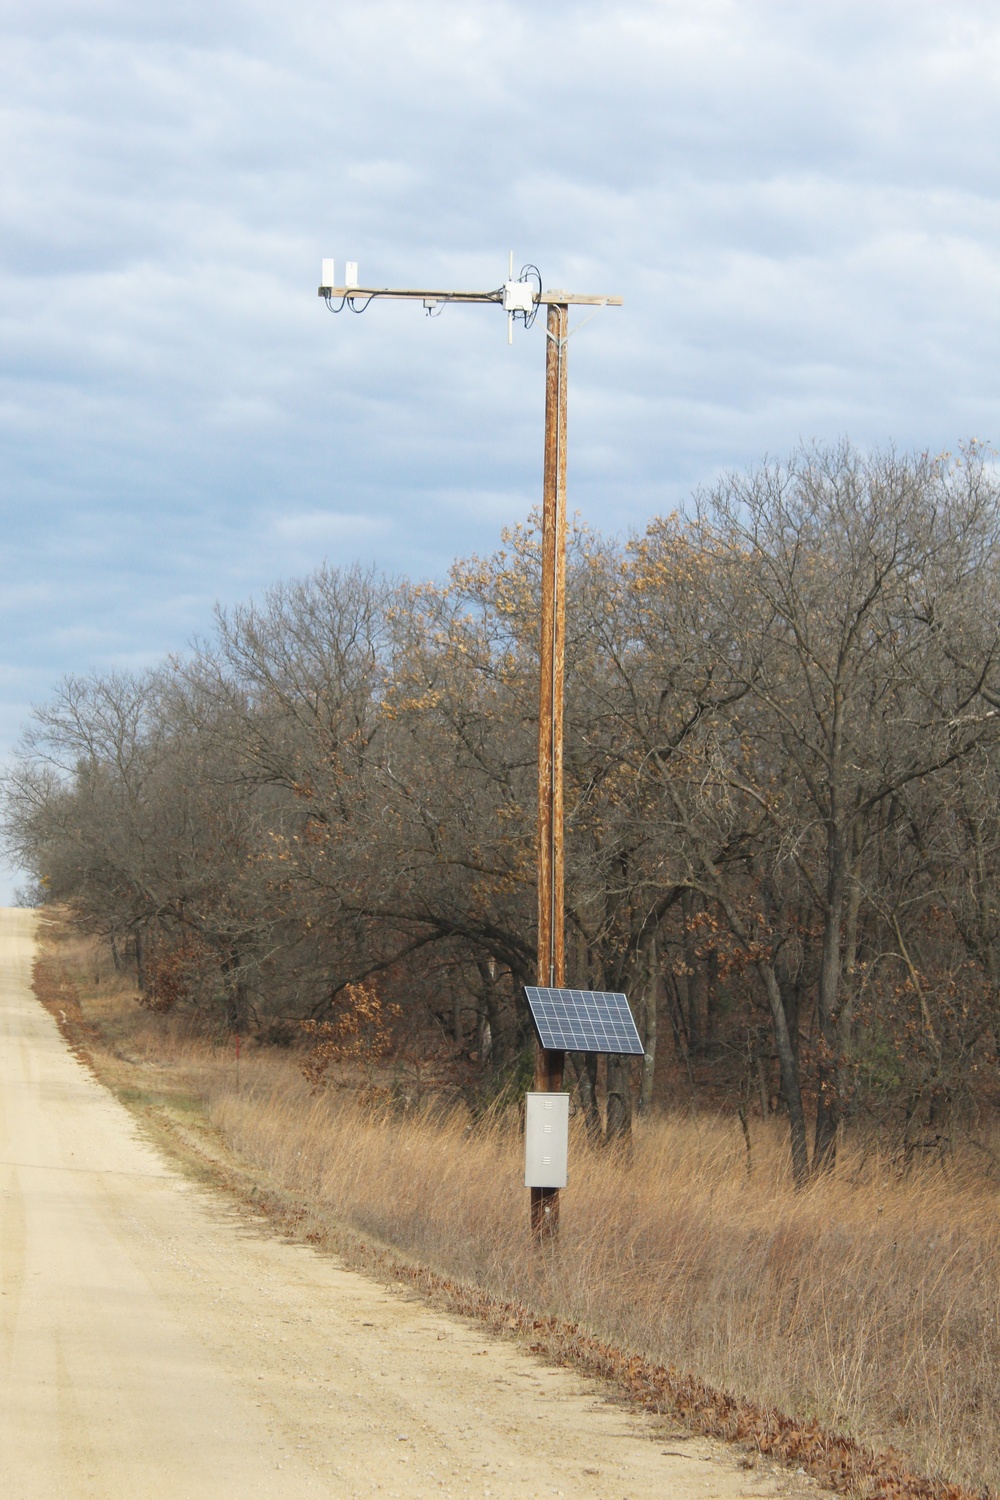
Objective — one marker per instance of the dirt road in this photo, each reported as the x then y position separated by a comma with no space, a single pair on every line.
154,1345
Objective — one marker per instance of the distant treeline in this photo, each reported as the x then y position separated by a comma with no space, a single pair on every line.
782,796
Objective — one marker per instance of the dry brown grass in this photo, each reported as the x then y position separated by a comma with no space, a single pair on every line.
868,1302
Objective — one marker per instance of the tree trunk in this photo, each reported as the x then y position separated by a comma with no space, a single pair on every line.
491,1040
711,994
756,1073
619,1123
828,1070
691,986
585,1068
845,1017
237,1009
237,1000
788,1065
652,996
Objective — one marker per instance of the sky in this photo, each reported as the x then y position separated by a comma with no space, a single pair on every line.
798,202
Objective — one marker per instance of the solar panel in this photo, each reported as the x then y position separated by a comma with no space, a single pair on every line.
583,1021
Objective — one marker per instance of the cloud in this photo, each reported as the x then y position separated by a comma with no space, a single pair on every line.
327,526
800,205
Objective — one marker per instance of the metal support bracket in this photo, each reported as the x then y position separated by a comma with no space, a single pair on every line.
582,324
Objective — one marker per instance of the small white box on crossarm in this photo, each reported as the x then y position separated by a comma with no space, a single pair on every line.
518,296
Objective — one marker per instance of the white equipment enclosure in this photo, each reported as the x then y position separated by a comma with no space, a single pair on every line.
546,1140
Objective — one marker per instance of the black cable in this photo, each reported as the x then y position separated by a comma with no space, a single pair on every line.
531,273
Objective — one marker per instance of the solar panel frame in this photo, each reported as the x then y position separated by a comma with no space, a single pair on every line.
571,1020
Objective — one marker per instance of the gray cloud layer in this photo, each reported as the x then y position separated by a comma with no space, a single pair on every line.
799,203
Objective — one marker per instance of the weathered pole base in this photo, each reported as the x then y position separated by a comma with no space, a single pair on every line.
544,1213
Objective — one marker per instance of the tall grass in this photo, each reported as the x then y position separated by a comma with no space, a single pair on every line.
870,1301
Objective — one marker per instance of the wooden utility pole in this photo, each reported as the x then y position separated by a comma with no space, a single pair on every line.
549,1065
552,660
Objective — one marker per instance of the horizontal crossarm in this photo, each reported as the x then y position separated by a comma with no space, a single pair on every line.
415,294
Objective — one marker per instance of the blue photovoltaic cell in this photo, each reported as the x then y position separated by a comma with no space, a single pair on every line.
583,1021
